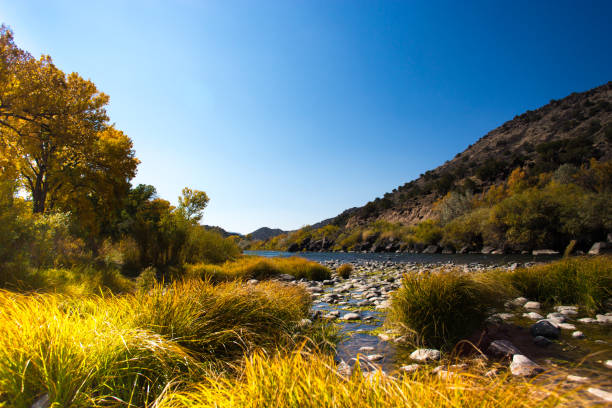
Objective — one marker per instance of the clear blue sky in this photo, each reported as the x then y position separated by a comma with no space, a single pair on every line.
288,112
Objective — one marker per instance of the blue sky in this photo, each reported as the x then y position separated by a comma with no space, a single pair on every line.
288,112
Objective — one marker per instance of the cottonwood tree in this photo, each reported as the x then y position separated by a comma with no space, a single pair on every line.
54,133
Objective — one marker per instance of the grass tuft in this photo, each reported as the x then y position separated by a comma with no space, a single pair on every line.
345,270
582,281
441,308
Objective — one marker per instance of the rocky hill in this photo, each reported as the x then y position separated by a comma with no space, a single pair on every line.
564,135
570,130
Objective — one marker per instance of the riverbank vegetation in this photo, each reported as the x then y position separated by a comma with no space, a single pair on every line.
531,209
250,267
441,308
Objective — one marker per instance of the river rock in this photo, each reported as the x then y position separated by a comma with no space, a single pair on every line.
567,310
431,249
544,252
487,250
541,341
604,319
351,316
344,369
532,315
521,366
578,335
425,355
577,378
599,248
502,348
532,305
556,317
604,395
410,368
375,357
519,301
545,328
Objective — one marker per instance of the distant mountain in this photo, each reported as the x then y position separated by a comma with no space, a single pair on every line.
221,231
265,233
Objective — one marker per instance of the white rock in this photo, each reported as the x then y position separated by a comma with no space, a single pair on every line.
521,366
577,378
425,355
532,305
608,363
604,319
350,316
533,316
578,335
366,349
410,368
556,317
375,357
566,326
604,395
587,320
519,301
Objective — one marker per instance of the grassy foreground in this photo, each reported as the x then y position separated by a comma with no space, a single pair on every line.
438,309
300,380
125,350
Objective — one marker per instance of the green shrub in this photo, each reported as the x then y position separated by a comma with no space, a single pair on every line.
439,309
586,282
344,270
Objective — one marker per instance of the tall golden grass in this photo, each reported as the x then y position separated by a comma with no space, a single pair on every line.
301,380
253,267
124,350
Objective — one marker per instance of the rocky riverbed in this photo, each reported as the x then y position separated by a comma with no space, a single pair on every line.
525,338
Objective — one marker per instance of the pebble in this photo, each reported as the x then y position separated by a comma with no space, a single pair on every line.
578,335
366,349
425,355
410,368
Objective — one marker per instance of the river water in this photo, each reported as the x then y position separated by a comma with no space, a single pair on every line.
459,259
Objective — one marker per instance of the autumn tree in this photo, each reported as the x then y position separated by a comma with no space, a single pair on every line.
55,133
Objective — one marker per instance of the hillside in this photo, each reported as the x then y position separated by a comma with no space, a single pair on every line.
570,132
